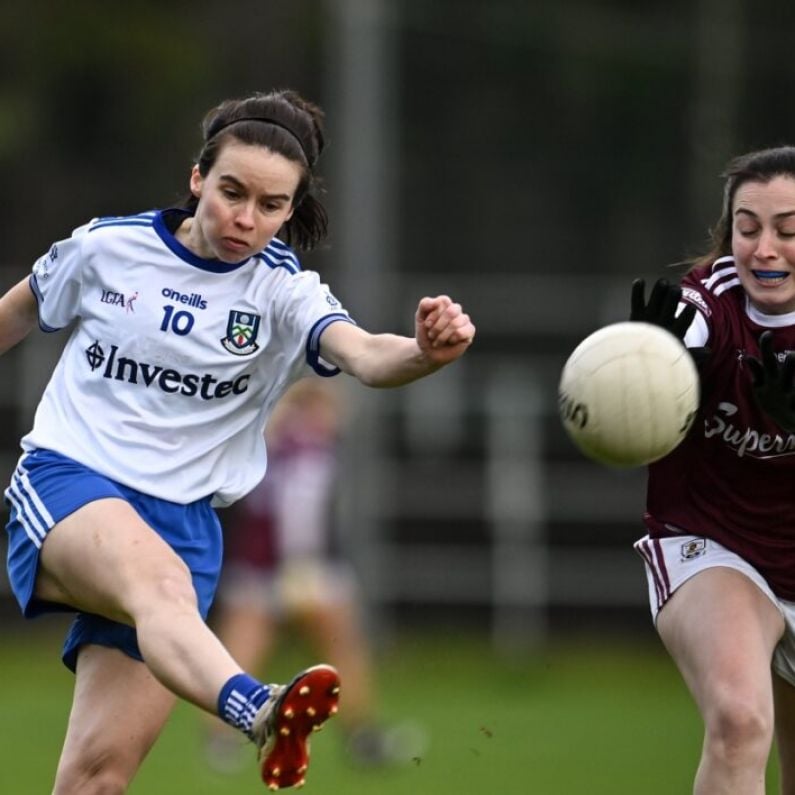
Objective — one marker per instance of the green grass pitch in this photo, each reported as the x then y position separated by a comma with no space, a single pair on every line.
601,718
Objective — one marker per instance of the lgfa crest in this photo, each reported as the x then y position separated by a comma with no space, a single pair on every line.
241,333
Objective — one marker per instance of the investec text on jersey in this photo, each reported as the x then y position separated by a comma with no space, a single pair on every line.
206,386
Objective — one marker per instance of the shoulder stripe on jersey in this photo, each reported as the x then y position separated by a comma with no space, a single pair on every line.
139,219
723,276
277,259
727,285
279,245
126,222
718,274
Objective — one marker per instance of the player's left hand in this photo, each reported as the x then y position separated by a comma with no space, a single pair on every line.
772,382
443,330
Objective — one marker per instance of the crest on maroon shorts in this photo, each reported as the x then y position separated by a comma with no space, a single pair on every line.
694,548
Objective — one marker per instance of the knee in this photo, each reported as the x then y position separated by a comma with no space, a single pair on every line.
93,771
167,586
175,585
740,731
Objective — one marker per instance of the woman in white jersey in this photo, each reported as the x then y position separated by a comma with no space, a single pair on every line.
188,326
720,549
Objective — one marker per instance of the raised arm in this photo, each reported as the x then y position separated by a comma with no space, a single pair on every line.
18,314
443,331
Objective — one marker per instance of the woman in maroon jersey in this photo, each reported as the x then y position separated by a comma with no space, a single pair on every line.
720,515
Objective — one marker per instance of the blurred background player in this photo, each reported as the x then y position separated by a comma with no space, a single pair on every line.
285,563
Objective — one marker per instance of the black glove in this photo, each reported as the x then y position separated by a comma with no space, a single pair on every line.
772,383
661,311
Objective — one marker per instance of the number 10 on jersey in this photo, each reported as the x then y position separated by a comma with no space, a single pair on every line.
180,322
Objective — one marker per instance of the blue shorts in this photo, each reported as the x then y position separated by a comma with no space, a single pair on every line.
46,487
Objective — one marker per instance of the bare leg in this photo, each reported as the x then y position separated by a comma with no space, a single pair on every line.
104,559
118,711
721,631
247,632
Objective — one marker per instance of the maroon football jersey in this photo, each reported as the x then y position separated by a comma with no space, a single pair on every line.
733,477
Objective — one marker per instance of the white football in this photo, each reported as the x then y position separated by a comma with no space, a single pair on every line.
628,394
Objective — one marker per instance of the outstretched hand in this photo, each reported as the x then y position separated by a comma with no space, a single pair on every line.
443,330
661,308
772,382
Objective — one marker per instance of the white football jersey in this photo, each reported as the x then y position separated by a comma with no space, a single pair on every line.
174,362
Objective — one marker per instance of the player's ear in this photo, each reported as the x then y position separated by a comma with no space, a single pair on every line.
196,182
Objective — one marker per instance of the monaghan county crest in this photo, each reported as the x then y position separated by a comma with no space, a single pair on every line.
241,333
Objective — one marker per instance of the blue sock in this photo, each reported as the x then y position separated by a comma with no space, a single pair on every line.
240,700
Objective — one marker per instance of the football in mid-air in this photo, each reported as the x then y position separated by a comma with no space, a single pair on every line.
628,394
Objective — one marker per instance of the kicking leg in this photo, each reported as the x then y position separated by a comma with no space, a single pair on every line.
105,559
247,629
